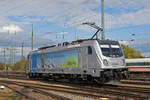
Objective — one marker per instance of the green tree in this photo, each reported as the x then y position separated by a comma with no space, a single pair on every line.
131,53
19,65
2,66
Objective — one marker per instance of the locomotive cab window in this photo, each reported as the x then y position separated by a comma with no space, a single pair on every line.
89,50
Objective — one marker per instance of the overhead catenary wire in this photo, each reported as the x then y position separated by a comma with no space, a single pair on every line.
122,21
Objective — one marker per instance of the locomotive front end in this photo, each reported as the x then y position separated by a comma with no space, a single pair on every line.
113,61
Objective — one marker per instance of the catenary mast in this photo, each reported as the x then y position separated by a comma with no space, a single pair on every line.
102,20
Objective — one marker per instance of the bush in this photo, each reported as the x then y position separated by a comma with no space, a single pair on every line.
131,53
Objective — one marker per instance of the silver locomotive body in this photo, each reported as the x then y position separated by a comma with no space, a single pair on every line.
98,60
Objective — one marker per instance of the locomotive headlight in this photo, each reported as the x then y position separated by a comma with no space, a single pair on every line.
105,62
123,62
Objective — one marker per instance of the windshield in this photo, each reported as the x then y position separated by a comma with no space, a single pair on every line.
116,50
105,50
111,50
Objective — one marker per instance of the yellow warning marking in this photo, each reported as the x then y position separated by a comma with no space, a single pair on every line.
103,99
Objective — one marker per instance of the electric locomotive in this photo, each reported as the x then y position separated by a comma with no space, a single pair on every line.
88,60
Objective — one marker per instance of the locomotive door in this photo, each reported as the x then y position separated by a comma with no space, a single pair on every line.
84,57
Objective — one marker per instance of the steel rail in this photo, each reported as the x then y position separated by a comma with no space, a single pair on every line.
19,92
90,91
35,89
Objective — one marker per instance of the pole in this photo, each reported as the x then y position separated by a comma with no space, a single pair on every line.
22,61
12,54
15,50
22,51
75,35
4,59
32,38
102,20
9,61
56,39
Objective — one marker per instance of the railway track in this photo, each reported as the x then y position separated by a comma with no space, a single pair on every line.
19,92
31,92
141,79
19,75
138,90
136,82
110,91
57,88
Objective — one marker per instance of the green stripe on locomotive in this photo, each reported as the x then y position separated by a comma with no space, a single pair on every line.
71,62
